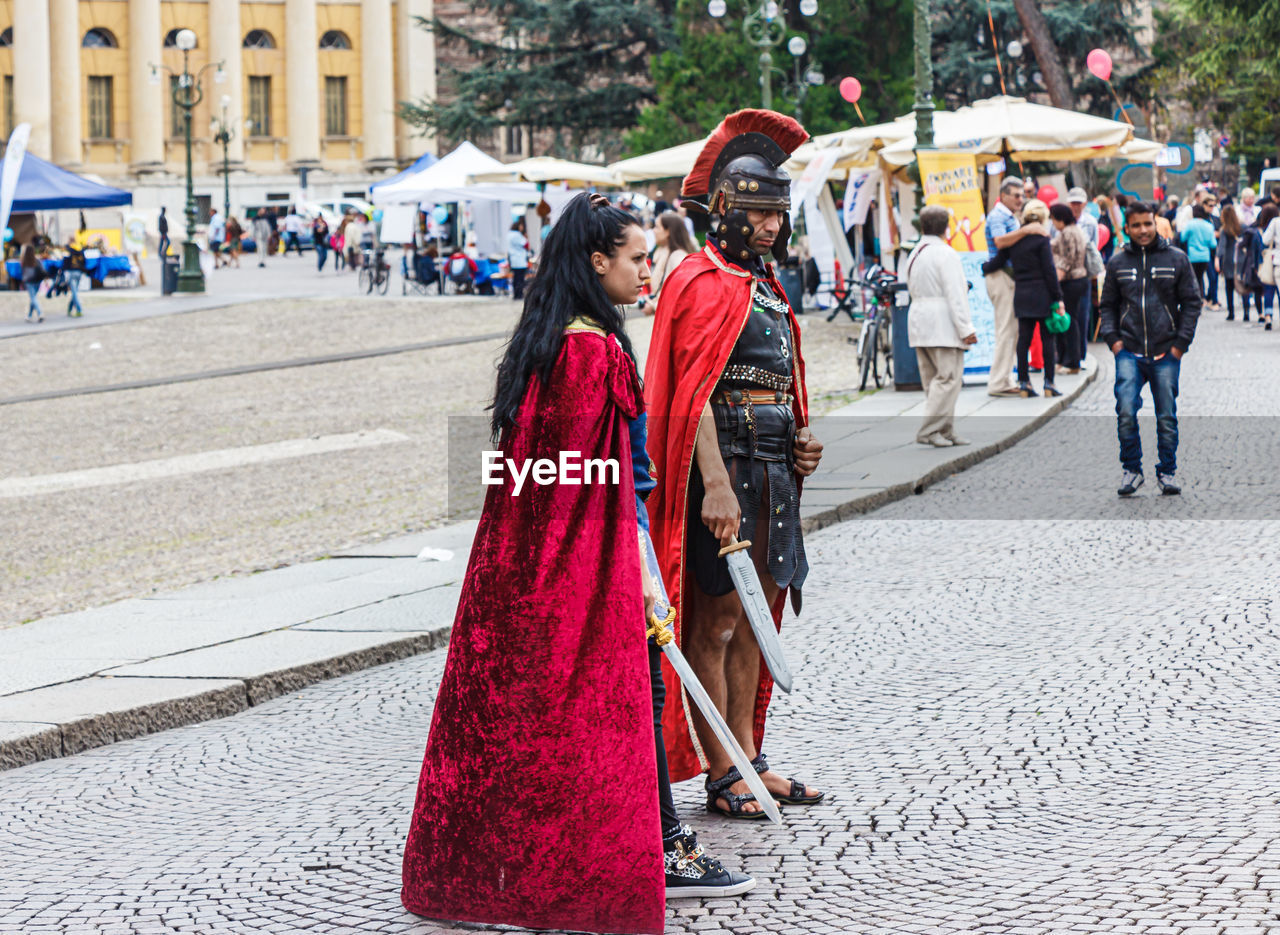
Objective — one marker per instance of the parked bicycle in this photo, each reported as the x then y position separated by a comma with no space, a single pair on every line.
875,340
375,271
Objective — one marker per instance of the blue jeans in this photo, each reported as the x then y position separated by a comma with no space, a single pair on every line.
73,284
322,254
1269,298
1132,372
1086,316
33,290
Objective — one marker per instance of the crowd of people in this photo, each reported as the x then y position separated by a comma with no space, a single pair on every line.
1158,266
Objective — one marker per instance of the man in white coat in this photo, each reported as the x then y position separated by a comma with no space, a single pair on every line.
938,326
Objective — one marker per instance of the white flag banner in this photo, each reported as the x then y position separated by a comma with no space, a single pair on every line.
811,180
13,157
858,195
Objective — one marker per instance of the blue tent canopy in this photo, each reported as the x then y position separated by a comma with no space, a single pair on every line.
422,162
42,186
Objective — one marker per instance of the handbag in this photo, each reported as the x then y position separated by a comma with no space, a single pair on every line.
1058,322
1093,261
1267,267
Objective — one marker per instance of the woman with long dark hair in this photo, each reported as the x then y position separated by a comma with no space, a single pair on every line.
544,799
1225,260
674,244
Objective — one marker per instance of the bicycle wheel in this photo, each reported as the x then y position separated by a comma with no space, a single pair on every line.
867,350
384,281
886,343
364,282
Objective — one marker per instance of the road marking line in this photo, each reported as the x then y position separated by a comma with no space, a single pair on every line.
216,460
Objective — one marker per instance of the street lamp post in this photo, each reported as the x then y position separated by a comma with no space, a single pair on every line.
924,92
765,28
797,89
223,133
187,93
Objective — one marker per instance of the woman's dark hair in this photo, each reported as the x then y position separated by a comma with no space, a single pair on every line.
565,288
1061,212
1200,212
1122,201
518,225
1266,216
677,233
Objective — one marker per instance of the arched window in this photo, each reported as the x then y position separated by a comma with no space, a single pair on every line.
171,38
335,40
6,38
259,39
99,38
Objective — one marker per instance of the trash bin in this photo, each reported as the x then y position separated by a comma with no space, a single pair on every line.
792,279
169,275
906,370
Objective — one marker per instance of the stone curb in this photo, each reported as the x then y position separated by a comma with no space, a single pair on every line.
49,741
873,501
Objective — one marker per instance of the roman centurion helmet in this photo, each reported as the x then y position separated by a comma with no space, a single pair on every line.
740,169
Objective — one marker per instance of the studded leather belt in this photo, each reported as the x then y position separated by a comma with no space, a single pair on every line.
749,374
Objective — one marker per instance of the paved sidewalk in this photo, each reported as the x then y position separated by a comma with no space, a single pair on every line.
77,681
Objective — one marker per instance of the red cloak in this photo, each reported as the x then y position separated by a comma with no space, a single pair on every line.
537,803
702,309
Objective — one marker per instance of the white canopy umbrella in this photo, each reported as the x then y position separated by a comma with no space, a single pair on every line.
678,160
1028,131
548,169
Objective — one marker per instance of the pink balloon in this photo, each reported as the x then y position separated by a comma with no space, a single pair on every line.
1048,194
1103,236
1099,63
851,89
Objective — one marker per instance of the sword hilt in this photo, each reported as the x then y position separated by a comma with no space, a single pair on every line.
735,546
660,630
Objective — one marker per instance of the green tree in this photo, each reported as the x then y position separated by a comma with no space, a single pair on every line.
1220,57
713,70
965,62
577,68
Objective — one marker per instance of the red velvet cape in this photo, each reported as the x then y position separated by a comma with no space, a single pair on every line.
702,309
537,803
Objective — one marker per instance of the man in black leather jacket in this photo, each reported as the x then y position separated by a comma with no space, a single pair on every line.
1150,305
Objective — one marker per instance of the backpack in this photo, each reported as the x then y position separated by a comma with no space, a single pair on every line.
1246,263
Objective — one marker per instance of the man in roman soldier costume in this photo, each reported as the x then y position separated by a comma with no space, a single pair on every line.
728,418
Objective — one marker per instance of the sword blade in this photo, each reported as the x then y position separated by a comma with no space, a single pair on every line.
747,584
693,688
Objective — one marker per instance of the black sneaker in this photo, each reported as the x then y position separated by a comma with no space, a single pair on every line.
693,874
1168,484
1129,484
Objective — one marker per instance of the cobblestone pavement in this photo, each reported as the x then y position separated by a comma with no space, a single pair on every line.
1026,726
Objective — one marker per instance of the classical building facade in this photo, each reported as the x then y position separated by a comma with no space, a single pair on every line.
310,90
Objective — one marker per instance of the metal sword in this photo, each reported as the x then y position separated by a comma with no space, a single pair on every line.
659,628
750,592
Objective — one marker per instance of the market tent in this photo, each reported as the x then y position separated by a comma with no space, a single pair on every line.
42,186
425,161
447,174
549,169
853,150
1026,131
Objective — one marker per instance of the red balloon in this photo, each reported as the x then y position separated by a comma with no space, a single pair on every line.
1099,63
1048,194
1104,234
851,89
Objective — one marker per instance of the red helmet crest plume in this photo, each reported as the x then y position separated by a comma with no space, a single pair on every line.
784,131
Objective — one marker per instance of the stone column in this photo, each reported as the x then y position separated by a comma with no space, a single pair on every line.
377,74
224,46
65,57
32,101
302,82
147,110
415,71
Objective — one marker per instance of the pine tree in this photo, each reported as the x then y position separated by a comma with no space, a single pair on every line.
577,68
